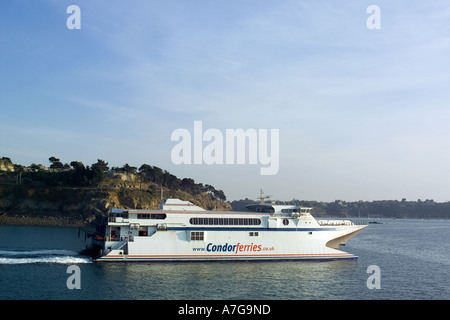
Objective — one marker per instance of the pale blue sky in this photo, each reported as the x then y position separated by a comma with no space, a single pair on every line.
363,114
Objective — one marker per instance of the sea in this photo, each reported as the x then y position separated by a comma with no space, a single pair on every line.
397,260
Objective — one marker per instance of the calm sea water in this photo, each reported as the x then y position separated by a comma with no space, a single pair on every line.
413,257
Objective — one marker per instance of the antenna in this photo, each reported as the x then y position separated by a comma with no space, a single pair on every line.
262,197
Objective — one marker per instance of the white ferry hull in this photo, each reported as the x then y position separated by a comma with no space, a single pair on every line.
174,245
182,239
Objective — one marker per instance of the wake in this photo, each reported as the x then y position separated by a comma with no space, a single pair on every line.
41,256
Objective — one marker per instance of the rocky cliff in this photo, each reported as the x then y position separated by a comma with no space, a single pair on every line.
27,205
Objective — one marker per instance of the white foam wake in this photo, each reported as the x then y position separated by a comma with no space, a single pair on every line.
41,256
36,252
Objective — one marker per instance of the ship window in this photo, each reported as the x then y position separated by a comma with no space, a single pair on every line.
197,236
254,234
285,222
159,216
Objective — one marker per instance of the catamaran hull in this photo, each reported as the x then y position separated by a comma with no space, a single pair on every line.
175,245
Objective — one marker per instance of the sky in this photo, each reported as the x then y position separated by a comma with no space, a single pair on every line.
362,114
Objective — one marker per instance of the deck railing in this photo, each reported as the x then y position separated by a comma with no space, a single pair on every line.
332,222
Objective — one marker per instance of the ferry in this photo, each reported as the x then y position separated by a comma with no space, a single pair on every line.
181,231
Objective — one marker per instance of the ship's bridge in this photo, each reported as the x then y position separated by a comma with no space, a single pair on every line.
280,210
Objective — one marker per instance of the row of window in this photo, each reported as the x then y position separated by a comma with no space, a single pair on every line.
160,216
125,215
226,221
200,235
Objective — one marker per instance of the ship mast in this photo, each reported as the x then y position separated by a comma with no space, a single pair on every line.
262,197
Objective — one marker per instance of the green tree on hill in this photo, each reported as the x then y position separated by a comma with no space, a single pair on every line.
98,171
55,163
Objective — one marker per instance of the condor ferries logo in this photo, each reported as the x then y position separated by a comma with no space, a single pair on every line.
234,248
